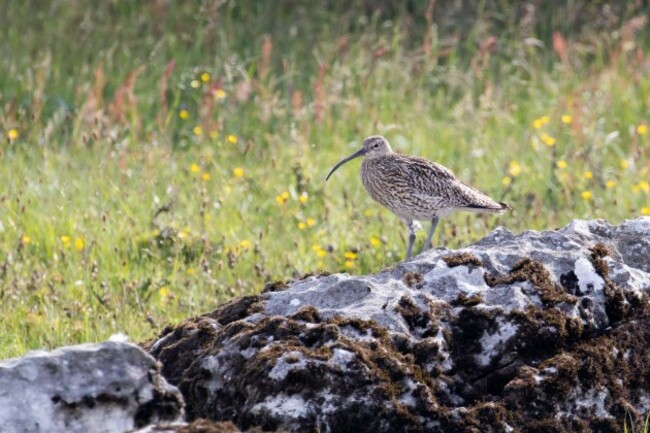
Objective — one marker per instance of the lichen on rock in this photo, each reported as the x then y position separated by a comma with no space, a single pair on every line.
542,331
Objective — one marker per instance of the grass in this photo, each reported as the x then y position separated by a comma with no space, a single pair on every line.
162,157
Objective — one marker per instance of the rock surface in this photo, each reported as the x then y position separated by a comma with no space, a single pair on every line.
537,332
98,388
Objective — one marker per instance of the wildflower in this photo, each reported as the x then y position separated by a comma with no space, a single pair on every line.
588,174
238,172
190,271
302,198
164,292
367,213
625,163
195,168
311,222
197,130
232,139
184,114
205,77
610,184
65,240
586,195
320,252
350,255
375,242
561,164
282,198
538,123
644,186
506,181
185,233
26,239
566,119
195,84
220,94
514,168
547,140
12,134
302,225
206,176
645,210
349,264
214,135
79,244
245,244
642,129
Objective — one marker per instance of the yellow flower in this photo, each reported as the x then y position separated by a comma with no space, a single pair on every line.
205,77
506,181
190,271
514,168
350,255
538,123
303,198
195,84
320,252
79,244
185,233
586,195
195,168
65,240
311,222
183,114
610,184
214,134
197,130
625,163
282,198
12,134
566,119
588,174
644,186
547,139
220,94
561,164
302,225
206,176
645,210
375,242
349,264
642,129
367,213
164,292
238,172
232,139
245,244
26,239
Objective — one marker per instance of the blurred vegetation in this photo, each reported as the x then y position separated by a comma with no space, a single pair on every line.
160,157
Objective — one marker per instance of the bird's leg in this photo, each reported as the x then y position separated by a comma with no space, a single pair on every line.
434,224
411,228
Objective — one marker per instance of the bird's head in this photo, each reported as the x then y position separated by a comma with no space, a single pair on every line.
373,146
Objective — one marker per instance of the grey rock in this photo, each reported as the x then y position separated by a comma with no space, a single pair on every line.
541,331
89,388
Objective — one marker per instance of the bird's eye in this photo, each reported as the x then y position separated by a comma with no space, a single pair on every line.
376,145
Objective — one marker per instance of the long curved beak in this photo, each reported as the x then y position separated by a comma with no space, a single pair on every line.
357,154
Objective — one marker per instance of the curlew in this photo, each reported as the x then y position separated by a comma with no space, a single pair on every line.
415,189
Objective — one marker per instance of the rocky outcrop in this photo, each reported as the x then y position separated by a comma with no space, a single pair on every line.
108,387
537,332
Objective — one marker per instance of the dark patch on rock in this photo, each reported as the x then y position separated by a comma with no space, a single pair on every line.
536,273
462,259
413,279
274,286
418,320
462,300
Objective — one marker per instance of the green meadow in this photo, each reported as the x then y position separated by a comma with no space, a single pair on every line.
161,157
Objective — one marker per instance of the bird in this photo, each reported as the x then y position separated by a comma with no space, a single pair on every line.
415,189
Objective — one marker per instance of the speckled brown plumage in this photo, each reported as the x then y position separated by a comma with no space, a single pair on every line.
415,189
